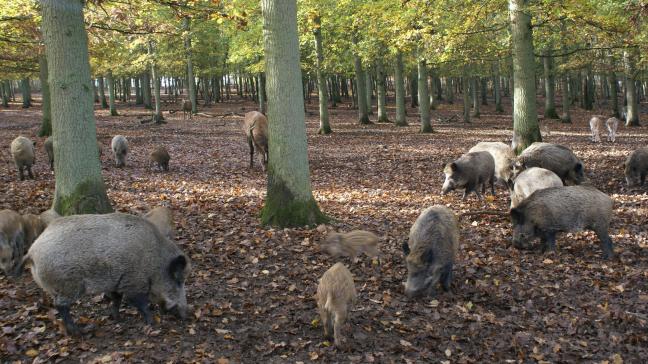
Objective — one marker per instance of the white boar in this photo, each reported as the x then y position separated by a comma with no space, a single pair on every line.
562,209
119,146
430,251
352,243
117,254
255,126
531,180
22,151
335,295
612,125
636,167
596,123
471,171
502,155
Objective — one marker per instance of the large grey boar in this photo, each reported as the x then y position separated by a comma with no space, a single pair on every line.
554,157
49,149
531,180
255,126
22,151
17,233
636,167
117,254
562,209
502,155
119,146
430,251
471,171
335,295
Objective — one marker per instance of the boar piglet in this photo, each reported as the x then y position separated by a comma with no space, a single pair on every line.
336,294
596,123
430,251
351,244
471,171
612,125
22,151
117,254
562,209
160,157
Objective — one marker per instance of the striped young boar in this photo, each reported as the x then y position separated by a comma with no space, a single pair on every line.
612,125
17,233
596,123
562,209
49,149
22,151
119,146
160,157
186,109
502,155
336,294
636,167
351,244
162,218
430,251
554,157
255,126
136,263
531,180
471,171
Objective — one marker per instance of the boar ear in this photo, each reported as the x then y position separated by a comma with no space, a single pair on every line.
177,268
406,248
517,216
454,167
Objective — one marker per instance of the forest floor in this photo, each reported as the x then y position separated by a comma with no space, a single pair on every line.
251,289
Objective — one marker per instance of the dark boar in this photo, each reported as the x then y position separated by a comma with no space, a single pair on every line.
636,167
554,157
160,157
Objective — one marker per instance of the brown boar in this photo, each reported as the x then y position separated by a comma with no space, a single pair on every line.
351,244
255,126
160,157
636,167
186,109
336,294
502,155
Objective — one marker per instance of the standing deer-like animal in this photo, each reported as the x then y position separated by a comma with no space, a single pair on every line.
255,126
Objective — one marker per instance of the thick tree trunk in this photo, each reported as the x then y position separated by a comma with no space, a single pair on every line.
465,92
157,117
111,93
525,114
139,100
25,88
474,91
496,88
289,200
363,115
102,93
483,82
614,95
79,186
424,97
369,91
146,90
401,119
324,128
632,115
588,89
186,23
550,86
381,95
449,90
4,85
413,81
46,126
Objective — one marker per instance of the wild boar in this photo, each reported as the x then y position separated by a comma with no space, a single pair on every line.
13,244
119,146
636,167
336,294
48,216
471,171
531,180
351,244
33,226
554,157
596,124
22,151
562,209
255,126
49,149
612,125
430,251
186,109
117,254
160,157
162,218
502,155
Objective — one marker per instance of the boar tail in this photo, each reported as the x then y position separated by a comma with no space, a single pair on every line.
328,305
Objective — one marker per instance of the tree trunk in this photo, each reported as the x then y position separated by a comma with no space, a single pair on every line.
79,186
46,126
157,117
525,114
466,97
102,93
550,86
588,90
4,85
483,83
146,90
190,76
413,81
380,87
496,88
632,115
474,90
424,97
262,93
139,100
289,200
614,95
26,93
449,90
369,91
401,119
111,92
324,128
363,116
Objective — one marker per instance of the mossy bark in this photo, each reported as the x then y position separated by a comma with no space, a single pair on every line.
283,209
87,197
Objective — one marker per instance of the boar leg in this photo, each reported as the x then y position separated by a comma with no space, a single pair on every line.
327,323
492,185
549,242
116,299
251,144
643,178
340,317
29,171
606,244
70,327
141,302
21,174
446,277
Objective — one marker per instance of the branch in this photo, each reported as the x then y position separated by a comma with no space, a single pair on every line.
18,17
126,31
576,50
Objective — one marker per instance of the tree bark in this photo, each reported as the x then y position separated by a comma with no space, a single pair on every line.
474,90
79,186
146,90
380,88
186,23
26,93
632,108
139,100
363,115
369,91
424,97
111,93
401,119
525,114
102,93
413,81
614,95
157,117
324,128
466,97
496,88
449,90
289,200
550,86
262,93
46,126
4,85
